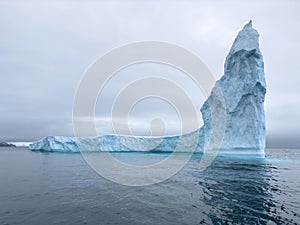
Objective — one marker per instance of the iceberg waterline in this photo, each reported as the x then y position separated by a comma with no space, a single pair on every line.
242,88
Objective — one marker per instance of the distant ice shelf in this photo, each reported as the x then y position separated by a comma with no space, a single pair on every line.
243,90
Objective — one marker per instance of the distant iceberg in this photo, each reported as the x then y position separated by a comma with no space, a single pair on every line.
243,90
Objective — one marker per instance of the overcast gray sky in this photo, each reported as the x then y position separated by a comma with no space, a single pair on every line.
46,46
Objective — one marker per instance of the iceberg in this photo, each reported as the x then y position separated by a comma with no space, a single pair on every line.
242,88
115,143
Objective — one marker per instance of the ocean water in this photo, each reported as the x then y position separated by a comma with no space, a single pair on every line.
60,188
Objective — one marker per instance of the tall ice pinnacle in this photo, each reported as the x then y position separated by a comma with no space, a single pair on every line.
243,89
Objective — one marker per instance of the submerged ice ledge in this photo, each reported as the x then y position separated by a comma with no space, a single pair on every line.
243,90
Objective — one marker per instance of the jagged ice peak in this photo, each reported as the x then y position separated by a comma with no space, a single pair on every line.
246,39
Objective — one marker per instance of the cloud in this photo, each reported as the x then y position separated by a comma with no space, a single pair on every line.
46,46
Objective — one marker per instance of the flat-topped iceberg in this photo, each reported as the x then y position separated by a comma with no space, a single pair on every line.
242,88
114,143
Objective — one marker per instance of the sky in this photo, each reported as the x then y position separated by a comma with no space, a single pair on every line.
47,46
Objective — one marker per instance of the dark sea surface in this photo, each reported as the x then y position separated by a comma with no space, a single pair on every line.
60,188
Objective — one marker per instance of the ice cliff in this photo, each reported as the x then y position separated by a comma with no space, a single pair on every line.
242,88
